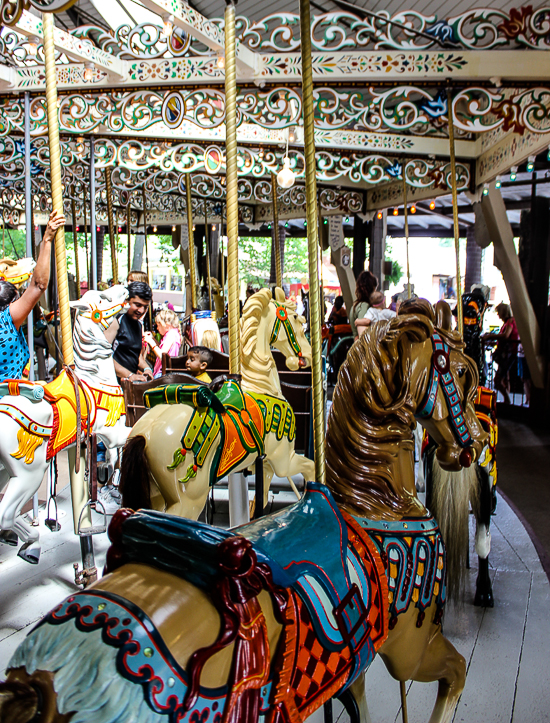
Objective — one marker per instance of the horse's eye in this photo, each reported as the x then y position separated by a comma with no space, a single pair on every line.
461,372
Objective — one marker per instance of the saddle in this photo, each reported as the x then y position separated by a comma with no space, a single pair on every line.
328,576
234,414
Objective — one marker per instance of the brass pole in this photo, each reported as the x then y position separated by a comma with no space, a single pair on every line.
207,247
460,320
403,693
276,241
232,195
129,229
75,242
222,259
145,232
191,237
112,240
312,243
150,309
57,193
406,216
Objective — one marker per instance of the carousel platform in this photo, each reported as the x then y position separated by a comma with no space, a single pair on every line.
505,647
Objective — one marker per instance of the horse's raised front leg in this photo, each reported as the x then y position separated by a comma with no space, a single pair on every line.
425,655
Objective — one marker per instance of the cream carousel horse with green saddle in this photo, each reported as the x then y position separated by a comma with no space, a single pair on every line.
175,452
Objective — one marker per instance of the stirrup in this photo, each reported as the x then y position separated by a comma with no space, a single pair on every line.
94,529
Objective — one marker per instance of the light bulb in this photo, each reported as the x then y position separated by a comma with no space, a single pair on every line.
548,154
413,209
88,73
154,229
325,220
531,163
291,135
379,215
432,205
213,227
173,228
286,177
269,227
396,212
485,189
221,62
513,173
167,25
498,182
32,46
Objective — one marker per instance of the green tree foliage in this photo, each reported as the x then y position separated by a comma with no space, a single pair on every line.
255,259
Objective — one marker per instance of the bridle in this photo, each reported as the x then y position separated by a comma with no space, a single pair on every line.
281,319
100,316
440,374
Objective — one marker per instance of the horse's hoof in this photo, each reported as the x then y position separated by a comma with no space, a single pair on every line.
9,537
30,552
484,599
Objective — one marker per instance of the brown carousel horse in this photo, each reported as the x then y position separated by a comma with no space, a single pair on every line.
270,620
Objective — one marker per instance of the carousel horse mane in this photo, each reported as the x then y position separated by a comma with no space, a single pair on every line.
250,322
373,411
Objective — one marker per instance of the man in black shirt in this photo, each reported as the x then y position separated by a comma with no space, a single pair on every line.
126,334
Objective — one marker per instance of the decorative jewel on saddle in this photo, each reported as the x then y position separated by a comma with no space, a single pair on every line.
440,373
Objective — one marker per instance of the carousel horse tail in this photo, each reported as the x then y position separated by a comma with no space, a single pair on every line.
452,491
19,702
134,475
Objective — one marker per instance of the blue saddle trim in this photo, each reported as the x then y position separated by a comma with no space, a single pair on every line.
142,657
407,524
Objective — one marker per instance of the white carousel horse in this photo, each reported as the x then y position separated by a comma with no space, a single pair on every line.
16,272
39,420
173,455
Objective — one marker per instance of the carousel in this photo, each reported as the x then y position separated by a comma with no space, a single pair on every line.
362,597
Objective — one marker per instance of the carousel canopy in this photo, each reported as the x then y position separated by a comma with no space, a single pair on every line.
145,81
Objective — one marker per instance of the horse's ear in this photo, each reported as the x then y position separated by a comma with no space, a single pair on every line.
79,305
280,297
443,316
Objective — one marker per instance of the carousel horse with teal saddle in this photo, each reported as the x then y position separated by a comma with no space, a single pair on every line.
268,621
192,437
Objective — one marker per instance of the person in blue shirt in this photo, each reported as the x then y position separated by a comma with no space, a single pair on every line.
15,308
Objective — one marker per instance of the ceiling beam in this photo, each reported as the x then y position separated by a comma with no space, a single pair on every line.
199,27
74,48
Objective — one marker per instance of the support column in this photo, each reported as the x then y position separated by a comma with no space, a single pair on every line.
377,248
100,241
360,233
493,210
534,254
474,257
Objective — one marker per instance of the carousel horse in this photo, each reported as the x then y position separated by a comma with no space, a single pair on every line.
176,451
16,272
268,621
447,498
39,420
